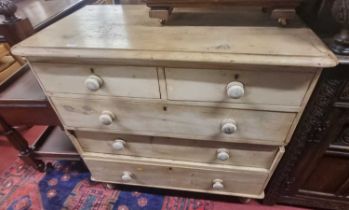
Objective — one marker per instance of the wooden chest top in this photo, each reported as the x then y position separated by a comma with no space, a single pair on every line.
124,33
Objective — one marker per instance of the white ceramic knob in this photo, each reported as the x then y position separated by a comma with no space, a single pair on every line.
217,184
106,118
93,82
222,154
119,144
229,126
126,176
235,90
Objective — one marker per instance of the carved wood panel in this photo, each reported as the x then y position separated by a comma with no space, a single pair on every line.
343,138
301,177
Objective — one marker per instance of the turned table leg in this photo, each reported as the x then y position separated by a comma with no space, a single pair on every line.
20,144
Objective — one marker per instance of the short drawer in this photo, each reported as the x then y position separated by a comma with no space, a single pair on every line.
265,87
247,182
123,81
155,118
259,156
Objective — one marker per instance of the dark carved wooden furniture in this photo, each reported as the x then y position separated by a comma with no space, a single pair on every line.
281,10
330,19
340,11
315,169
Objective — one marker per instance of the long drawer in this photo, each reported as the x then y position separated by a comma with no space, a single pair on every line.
155,118
259,156
123,81
180,175
268,87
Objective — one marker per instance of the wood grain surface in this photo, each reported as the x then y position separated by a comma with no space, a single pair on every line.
258,156
181,121
123,33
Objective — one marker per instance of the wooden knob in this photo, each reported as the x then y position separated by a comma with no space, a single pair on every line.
222,154
119,144
93,82
235,90
217,184
229,126
126,176
106,118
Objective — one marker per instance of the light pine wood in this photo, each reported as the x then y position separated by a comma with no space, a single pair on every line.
264,107
74,140
267,87
177,175
120,35
178,149
126,81
161,93
161,119
162,14
275,164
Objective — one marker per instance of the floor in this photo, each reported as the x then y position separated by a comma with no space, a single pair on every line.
9,155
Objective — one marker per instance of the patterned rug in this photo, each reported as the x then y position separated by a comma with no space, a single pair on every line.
67,186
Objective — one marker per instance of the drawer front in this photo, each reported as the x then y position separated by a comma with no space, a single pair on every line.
258,87
124,81
181,176
178,149
177,121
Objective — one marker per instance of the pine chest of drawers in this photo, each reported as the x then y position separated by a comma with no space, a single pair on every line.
198,108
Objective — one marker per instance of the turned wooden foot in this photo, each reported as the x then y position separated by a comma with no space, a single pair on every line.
244,200
49,167
110,186
28,157
283,16
162,13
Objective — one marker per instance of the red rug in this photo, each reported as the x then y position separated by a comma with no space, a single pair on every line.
67,187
